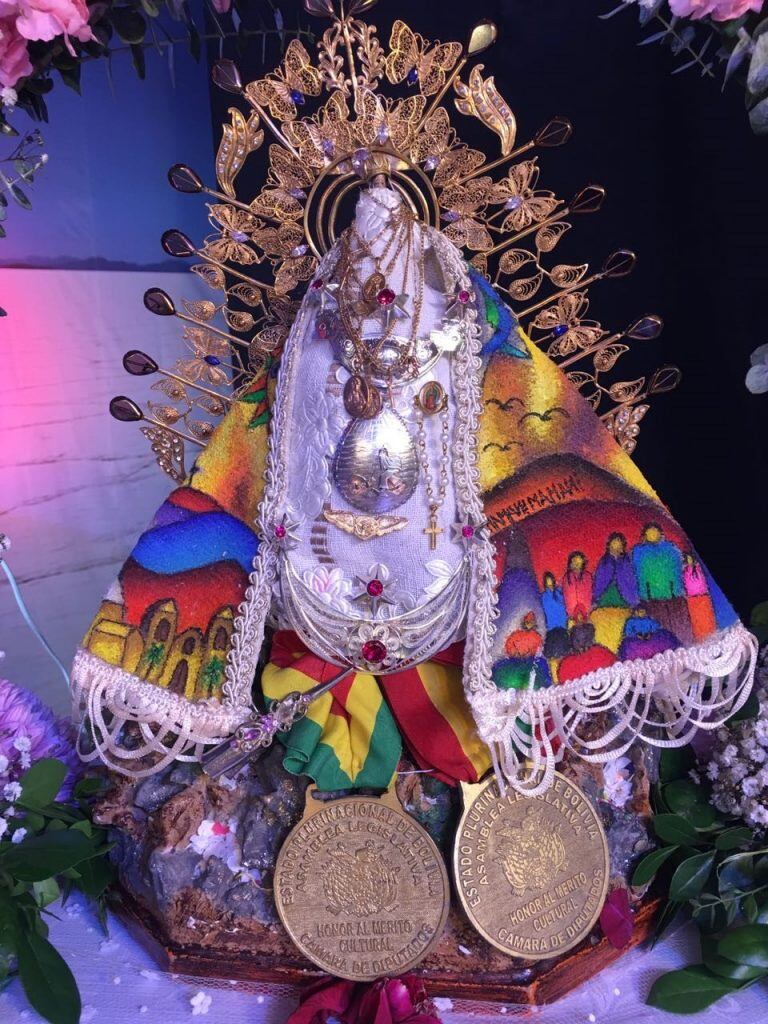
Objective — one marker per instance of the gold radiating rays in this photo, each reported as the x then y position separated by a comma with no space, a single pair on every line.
356,108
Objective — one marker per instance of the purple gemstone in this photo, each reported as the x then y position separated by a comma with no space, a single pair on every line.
226,76
176,243
560,330
431,163
299,250
239,236
158,302
513,203
184,179
359,160
413,76
212,360
139,363
125,410
298,97
328,147
297,193
451,216
382,135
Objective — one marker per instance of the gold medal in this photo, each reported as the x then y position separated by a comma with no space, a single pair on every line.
531,872
362,400
361,888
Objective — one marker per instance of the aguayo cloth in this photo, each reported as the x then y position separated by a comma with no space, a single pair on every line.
430,501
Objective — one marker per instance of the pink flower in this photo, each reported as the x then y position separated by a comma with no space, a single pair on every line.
719,10
616,918
14,59
46,19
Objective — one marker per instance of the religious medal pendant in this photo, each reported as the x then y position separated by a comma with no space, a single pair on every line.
362,399
531,872
432,530
431,398
360,887
372,286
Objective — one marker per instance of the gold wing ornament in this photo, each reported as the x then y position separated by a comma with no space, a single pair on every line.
288,87
411,58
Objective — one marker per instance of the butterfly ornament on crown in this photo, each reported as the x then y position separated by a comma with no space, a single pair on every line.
419,491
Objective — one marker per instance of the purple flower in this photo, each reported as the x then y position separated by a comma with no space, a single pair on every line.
29,730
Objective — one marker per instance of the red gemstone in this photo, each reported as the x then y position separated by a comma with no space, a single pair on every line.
322,330
317,284
464,296
467,531
280,531
375,588
386,297
374,651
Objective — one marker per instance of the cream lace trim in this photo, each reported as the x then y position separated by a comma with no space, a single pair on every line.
662,700
173,728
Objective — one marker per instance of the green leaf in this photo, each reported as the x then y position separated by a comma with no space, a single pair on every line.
673,828
675,763
691,876
688,991
41,856
129,24
733,838
46,892
725,968
651,863
749,909
90,786
95,876
709,914
736,873
41,783
747,945
702,817
748,711
139,61
48,982
680,795
21,197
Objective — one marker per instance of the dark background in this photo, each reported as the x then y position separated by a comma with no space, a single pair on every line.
685,179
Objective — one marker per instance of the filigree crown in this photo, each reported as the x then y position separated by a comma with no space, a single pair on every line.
333,128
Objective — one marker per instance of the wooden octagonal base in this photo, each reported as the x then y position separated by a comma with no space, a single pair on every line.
463,966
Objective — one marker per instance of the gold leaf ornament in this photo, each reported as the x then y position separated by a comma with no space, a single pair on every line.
480,98
238,139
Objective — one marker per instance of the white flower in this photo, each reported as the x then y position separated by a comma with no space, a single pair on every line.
617,786
23,743
200,1003
329,585
750,787
442,572
12,791
3,827
3,764
757,375
713,770
217,839
18,835
9,97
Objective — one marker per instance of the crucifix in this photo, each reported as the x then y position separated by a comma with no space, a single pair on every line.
433,529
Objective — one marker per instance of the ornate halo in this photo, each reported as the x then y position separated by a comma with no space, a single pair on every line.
356,110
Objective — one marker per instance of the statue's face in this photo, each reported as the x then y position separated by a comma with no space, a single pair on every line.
653,534
577,562
616,547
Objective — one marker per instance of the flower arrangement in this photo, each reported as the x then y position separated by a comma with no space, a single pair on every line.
703,33
48,846
710,819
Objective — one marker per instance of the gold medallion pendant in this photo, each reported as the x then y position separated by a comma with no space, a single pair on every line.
361,888
531,872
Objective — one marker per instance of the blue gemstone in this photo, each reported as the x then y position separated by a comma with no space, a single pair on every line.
212,360
560,330
298,97
413,76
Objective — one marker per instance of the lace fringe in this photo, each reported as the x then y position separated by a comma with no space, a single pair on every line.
662,701
106,698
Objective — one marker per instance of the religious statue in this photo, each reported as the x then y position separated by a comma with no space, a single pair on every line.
414,526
